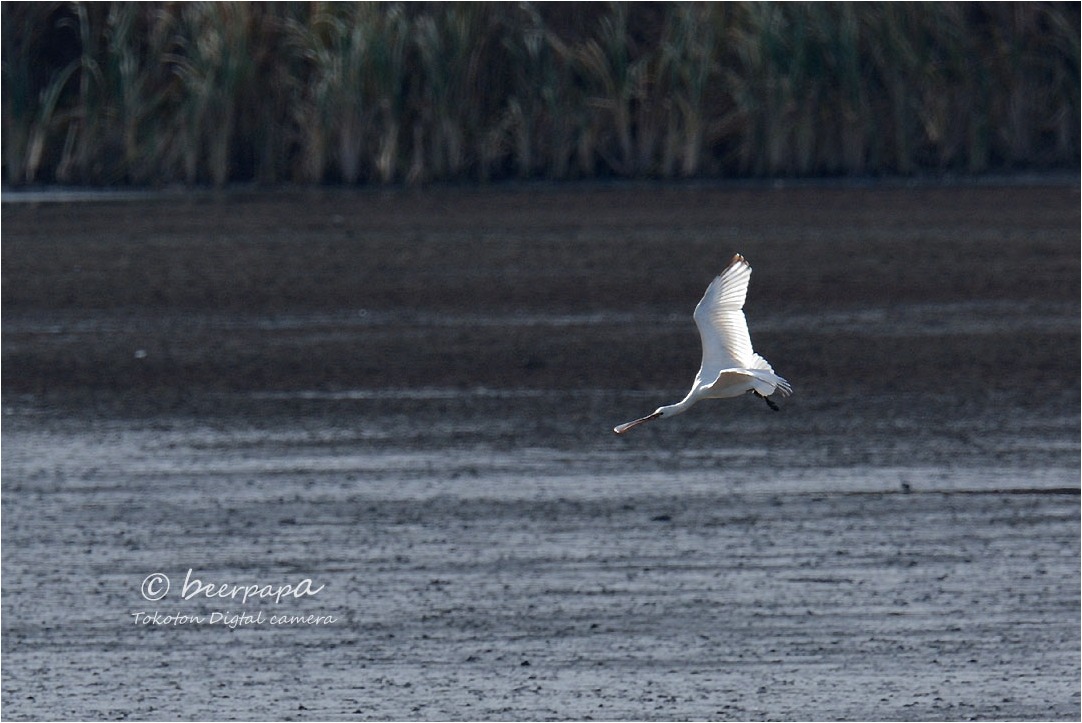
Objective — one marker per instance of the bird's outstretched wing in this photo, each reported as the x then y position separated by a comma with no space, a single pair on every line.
722,325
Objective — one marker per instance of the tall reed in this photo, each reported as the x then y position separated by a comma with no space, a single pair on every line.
155,93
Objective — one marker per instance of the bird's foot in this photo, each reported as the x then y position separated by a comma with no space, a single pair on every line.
769,402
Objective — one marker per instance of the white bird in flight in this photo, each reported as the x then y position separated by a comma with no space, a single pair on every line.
730,367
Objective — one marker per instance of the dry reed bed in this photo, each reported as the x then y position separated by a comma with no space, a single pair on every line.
157,93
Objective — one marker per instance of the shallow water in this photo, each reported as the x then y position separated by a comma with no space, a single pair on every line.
407,400
499,554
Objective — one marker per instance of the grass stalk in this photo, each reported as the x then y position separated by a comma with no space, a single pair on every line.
399,92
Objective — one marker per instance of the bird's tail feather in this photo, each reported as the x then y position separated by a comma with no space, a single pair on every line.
780,384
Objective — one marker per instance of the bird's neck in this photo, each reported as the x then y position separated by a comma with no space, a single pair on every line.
679,408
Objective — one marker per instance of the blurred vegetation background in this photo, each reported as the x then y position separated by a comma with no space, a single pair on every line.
220,92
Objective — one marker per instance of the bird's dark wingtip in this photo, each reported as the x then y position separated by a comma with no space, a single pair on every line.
738,260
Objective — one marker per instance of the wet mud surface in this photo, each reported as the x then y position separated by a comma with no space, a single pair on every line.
407,398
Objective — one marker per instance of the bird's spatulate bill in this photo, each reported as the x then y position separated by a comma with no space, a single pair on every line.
620,429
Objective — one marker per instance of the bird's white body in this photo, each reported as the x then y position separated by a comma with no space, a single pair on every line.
730,367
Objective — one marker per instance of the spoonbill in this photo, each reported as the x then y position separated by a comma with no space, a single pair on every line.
730,367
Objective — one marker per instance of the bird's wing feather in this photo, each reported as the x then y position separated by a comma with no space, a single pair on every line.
722,325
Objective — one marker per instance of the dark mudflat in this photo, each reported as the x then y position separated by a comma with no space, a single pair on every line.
408,398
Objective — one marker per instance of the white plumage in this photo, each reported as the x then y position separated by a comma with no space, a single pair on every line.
730,366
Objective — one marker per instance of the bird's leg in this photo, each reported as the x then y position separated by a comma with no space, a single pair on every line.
769,402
